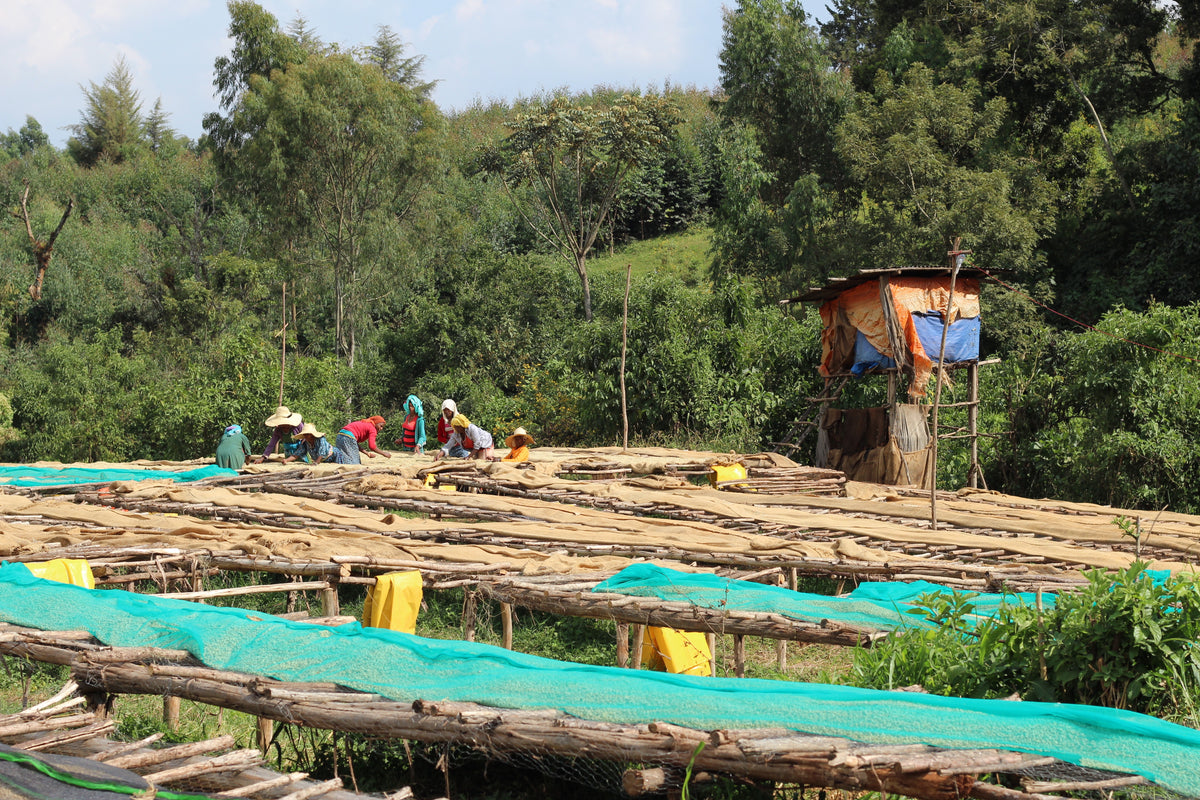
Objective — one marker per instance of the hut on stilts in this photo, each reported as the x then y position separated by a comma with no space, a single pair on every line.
911,325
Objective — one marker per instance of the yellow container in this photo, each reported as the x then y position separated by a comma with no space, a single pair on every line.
726,472
75,571
393,602
681,652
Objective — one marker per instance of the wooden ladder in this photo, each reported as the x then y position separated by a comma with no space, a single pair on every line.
801,428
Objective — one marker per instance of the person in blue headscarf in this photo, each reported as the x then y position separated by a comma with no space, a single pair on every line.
233,448
412,436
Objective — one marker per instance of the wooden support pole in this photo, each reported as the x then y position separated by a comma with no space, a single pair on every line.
264,733
330,605
712,653
739,656
622,644
171,705
780,644
973,422
469,616
506,619
639,641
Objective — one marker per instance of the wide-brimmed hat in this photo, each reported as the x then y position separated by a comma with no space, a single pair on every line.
519,438
309,428
283,416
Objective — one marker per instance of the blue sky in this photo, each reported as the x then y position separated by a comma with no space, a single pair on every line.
475,49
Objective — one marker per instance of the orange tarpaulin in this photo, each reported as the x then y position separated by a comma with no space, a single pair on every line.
861,308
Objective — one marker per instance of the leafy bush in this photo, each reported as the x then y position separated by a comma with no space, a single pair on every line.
1124,641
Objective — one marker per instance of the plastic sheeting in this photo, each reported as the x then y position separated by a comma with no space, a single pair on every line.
914,308
20,475
407,668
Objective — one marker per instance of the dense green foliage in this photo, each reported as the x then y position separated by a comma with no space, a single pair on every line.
422,252
1124,641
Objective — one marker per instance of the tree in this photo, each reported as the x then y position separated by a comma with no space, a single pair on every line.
341,154
111,126
575,159
387,53
30,137
776,153
258,48
931,163
777,78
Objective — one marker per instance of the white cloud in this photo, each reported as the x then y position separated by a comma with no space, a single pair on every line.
468,9
427,26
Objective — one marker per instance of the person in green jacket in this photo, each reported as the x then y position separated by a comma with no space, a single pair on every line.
233,448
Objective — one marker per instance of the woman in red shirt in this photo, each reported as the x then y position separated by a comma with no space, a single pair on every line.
359,436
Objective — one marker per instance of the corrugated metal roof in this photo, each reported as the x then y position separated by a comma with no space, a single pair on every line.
838,285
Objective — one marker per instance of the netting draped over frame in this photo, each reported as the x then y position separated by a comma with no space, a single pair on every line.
406,668
883,605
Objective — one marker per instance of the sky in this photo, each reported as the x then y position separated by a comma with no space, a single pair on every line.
475,49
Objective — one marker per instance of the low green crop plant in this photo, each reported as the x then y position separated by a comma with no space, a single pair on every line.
1126,640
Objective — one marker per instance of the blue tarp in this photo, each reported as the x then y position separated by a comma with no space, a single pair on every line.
962,343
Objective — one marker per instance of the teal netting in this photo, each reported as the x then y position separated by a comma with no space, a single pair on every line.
65,476
406,668
872,606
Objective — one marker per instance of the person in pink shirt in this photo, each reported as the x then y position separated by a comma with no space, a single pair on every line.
359,437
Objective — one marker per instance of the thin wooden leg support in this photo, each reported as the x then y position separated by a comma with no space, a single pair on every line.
265,732
506,619
171,706
639,640
622,644
469,617
739,655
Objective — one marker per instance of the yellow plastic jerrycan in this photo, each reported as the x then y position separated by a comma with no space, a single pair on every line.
393,602
75,571
681,652
726,472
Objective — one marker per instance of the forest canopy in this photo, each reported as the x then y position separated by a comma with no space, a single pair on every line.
332,213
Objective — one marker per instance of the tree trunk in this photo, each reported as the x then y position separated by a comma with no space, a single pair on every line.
581,268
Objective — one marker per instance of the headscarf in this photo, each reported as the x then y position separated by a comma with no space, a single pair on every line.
378,420
460,421
448,403
233,430
412,405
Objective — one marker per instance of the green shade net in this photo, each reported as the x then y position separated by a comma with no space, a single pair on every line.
406,668
67,476
872,606
38,776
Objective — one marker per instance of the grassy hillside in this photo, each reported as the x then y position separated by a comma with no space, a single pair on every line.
684,255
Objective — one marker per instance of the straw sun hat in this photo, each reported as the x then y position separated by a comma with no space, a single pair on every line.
283,416
309,428
519,437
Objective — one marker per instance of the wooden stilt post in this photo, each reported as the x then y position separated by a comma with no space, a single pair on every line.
639,640
973,422
622,644
781,644
469,616
506,618
265,732
956,258
712,654
171,705
739,655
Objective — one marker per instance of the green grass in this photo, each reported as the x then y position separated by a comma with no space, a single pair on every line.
684,255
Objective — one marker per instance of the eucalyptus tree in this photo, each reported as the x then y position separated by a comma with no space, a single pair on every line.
340,153
564,163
